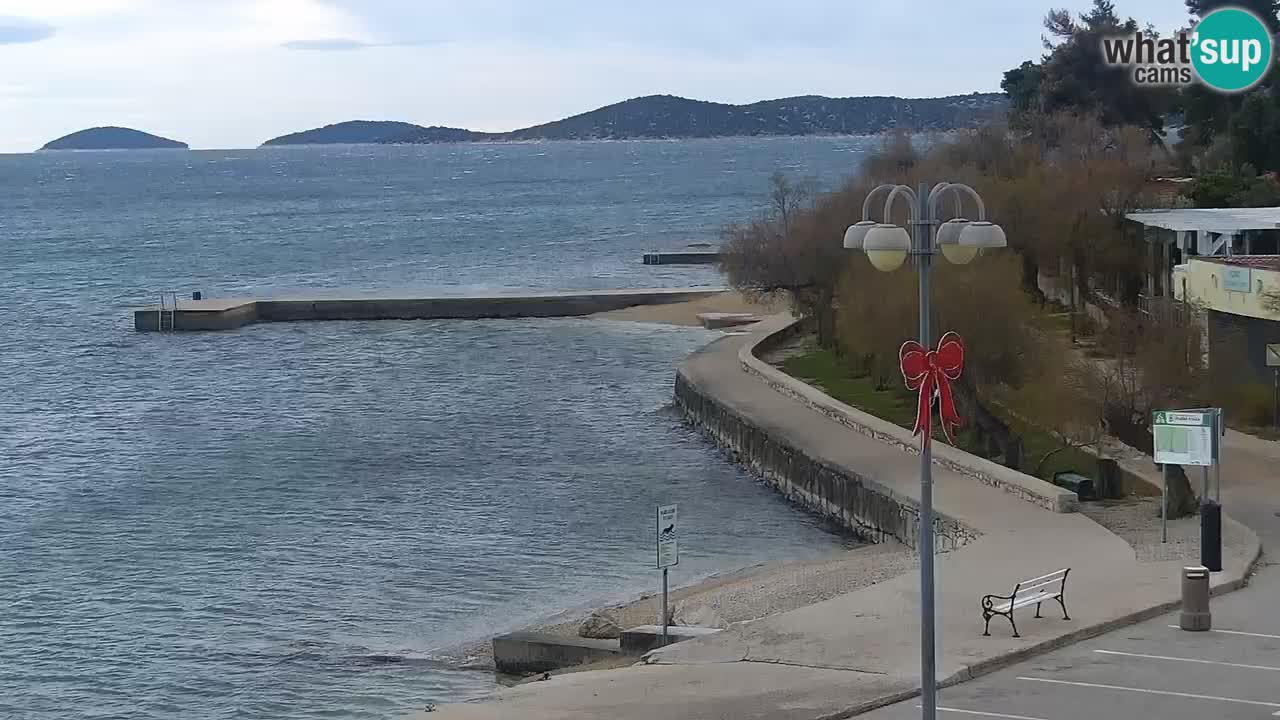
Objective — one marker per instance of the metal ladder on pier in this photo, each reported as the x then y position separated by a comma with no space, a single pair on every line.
168,304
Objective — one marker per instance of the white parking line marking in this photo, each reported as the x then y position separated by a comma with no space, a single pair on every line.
1170,693
984,714
1237,632
1190,660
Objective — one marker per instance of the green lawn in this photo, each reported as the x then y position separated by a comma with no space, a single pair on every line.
822,368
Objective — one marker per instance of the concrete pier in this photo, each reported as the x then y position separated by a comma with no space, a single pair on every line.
681,257
231,313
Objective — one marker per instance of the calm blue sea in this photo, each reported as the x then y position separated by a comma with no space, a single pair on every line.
249,524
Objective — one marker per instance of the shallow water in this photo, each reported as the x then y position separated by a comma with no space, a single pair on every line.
286,521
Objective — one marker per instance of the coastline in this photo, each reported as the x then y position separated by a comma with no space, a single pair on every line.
734,596
848,654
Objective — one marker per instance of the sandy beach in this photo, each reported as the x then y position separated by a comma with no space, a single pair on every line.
686,313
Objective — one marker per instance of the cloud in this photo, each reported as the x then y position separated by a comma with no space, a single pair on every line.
328,44
16,30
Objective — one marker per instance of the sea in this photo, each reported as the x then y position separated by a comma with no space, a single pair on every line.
294,521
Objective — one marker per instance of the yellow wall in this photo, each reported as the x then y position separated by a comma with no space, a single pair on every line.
1204,282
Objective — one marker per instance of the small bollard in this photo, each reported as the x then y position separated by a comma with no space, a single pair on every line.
1195,599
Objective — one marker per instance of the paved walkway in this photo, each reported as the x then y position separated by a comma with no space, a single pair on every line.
1152,669
862,649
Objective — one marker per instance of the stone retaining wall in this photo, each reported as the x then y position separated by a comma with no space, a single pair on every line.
864,507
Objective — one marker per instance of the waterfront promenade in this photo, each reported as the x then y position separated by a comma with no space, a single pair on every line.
861,650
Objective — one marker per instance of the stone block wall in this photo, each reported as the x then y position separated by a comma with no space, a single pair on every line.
857,503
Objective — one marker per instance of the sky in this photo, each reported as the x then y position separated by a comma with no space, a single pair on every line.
233,73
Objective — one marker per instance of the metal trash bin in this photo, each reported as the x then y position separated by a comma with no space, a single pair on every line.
1195,599
1077,483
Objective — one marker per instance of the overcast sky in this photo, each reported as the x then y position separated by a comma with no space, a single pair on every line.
232,73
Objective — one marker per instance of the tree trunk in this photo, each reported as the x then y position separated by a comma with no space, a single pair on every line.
1182,499
1031,278
824,319
990,426
1131,428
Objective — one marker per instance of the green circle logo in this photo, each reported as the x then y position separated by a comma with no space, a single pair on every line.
1231,49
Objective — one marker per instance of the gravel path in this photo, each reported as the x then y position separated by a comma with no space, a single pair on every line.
1137,521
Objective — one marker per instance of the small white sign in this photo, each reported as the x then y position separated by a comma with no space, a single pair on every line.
668,550
1273,355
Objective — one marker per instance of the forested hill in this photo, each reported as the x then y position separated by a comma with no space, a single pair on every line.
372,131
667,116
112,138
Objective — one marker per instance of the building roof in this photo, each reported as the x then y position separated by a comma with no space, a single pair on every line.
1216,220
1258,262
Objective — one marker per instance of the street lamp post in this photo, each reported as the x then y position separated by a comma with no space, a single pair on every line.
887,246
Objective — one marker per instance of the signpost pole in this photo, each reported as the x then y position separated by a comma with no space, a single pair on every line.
1219,431
665,616
1164,504
1272,354
668,555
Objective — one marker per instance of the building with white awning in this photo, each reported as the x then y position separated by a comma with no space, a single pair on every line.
1174,236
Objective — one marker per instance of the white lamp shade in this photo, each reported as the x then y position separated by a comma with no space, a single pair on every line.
887,246
949,231
854,236
959,254
982,234
949,242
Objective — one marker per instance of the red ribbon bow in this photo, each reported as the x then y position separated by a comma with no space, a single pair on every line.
931,371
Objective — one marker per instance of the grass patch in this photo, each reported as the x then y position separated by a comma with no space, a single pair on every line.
823,369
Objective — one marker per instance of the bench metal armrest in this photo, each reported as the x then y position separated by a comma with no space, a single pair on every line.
988,601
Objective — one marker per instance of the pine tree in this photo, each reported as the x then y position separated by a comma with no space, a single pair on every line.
1265,9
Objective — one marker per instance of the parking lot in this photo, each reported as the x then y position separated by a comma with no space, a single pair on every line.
1151,670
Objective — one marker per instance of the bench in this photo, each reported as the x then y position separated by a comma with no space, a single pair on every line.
1027,592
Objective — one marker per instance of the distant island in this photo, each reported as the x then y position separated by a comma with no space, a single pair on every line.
369,131
668,116
112,138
